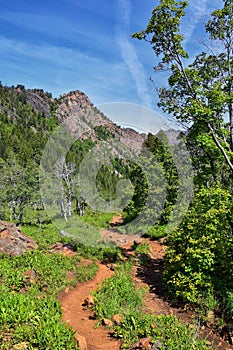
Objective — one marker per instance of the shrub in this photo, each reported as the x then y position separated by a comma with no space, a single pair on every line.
198,259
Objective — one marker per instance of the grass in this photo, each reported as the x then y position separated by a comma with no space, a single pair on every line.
142,248
30,315
118,295
154,232
34,322
97,219
167,331
50,270
44,235
105,254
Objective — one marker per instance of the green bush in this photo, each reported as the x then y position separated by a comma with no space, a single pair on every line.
198,259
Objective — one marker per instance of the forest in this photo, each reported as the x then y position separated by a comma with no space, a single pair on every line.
197,270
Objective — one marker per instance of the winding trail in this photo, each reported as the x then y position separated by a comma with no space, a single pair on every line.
81,320
149,275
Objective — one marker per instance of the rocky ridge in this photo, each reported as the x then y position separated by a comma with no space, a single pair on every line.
78,115
81,117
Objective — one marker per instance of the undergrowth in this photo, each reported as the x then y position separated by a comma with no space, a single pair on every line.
118,295
30,315
97,219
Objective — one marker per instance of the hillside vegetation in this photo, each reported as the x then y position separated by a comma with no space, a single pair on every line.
198,270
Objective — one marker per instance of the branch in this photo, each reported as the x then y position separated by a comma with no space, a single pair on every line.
220,147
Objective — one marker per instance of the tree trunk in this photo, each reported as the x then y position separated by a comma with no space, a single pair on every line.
63,210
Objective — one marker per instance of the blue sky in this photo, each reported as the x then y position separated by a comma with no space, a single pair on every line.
63,45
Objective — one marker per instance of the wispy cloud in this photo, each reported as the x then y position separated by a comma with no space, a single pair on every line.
56,28
61,67
129,53
198,12
195,12
58,55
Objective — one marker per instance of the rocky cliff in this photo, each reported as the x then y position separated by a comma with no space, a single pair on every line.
78,114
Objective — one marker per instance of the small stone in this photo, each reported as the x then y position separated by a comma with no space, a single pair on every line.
89,301
210,316
145,343
208,343
56,247
116,319
66,290
157,345
82,343
107,323
137,242
111,267
20,346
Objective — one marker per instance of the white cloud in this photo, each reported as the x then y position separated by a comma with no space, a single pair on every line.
55,54
135,67
197,13
129,53
124,7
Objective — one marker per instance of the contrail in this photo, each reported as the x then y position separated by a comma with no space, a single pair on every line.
128,51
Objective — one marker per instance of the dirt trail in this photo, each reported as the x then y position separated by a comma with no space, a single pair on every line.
81,320
113,235
148,275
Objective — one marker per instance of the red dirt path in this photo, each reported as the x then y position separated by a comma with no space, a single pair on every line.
81,320
148,275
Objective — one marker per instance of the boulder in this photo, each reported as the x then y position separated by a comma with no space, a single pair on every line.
13,241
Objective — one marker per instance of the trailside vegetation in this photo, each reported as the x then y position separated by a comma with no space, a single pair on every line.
199,93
